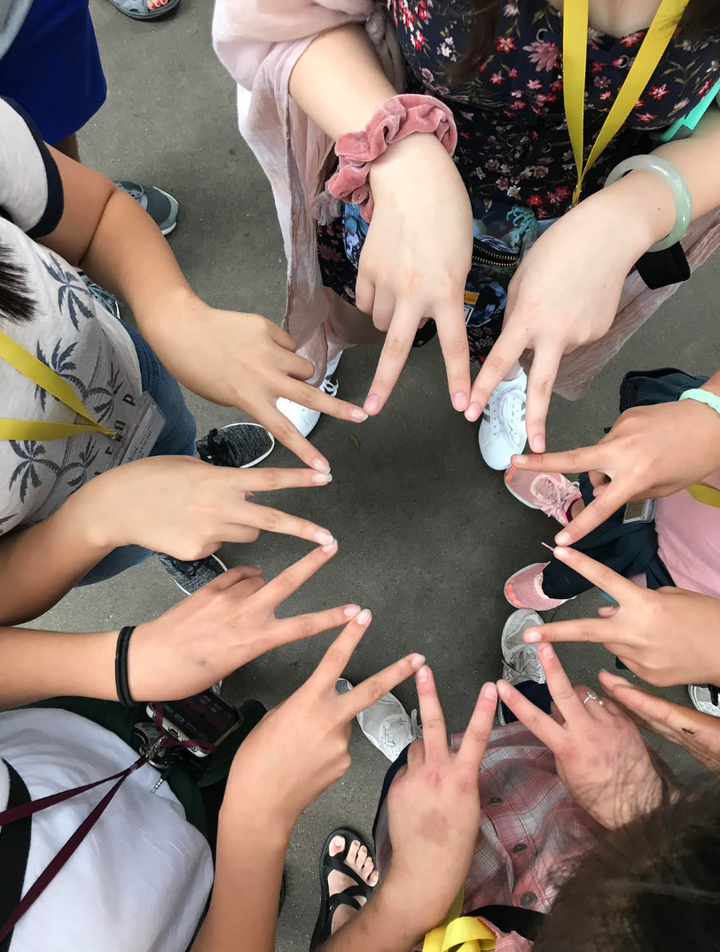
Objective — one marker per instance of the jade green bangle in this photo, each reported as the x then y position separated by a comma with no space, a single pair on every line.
702,396
675,182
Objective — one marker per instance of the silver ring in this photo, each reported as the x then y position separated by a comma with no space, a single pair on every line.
591,696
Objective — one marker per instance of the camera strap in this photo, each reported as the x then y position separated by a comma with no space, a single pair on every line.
26,809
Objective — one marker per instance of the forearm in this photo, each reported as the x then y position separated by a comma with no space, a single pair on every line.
251,851
35,665
39,565
380,926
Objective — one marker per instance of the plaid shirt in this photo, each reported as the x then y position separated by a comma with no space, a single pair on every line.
530,834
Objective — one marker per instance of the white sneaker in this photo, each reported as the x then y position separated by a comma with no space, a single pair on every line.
520,661
386,724
303,418
502,428
702,699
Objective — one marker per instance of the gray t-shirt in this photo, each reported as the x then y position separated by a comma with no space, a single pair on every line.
70,333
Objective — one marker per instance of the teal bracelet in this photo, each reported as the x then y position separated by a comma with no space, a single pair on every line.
702,396
675,182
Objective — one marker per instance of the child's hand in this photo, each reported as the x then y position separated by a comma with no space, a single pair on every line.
667,636
186,508
599,753
300,748
434,811
244,361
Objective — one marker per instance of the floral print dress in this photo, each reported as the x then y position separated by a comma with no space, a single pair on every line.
514,152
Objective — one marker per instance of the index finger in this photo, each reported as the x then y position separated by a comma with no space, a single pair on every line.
452,332
619,587
544,727
472,748
431,717
506,351
559,685
579,460
371,690
396,348
284,432
539,391
290,580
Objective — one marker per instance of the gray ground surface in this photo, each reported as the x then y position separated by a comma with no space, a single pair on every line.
427,534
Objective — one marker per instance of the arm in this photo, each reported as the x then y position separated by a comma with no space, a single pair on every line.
566,291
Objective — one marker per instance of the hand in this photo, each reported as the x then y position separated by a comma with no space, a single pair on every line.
599,753
434,811
668,636
227,623
564,294
698,733
186,508
300,748
245,361
650,452
415,261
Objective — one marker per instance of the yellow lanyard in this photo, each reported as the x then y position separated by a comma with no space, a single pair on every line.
460,933
575,39
707,495
35,370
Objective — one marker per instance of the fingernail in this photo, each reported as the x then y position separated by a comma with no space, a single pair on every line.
372,404
562,538
360,416
519,460
324,537
551,547
321,464
350,611
560,553
322,479
503,688
538,443
546,652
417,661
532,637
489,691
330,547
473,412
423,674
459,400
364,617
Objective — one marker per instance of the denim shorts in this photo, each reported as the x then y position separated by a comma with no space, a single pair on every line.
176,439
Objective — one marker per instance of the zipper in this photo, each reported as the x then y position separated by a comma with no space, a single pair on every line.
490,257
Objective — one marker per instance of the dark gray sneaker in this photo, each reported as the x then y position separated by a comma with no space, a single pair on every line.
160,206
238,444
191,576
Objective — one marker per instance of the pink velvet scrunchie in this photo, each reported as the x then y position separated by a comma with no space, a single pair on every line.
396,119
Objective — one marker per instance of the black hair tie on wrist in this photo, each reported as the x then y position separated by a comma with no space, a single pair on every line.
121,668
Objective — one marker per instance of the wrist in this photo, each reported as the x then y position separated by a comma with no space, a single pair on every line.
403,154
642,208
402,918
161,307
84,517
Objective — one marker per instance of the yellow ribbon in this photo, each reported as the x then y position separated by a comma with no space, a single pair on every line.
458,932
575,38
32,368
705,494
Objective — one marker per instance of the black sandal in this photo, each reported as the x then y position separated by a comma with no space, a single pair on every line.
348,897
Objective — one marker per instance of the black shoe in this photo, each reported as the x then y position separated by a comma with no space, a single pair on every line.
190,576
238,444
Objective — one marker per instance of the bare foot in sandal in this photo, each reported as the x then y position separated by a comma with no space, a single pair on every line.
362,864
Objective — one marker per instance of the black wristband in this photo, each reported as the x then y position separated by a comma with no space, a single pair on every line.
121,671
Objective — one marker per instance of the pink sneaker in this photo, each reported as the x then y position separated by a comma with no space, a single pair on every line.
551,493
524,589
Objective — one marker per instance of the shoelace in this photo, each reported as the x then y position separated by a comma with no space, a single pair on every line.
553,497
216,449
394,732
509,414
330,385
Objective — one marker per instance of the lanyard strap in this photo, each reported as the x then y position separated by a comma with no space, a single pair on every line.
32,368
575,39
707,495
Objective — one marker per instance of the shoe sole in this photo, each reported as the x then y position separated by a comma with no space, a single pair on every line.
219,562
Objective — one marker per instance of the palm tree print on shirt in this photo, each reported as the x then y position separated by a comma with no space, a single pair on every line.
61,362
73,297
27,472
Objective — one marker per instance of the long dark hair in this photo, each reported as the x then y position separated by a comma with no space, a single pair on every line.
701,21
16,305
650,886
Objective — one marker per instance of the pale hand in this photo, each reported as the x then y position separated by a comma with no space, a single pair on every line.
244,361
599,753
300,748
434,812
564,294
186,508
224,625
698,733
415,261
650,452
667,636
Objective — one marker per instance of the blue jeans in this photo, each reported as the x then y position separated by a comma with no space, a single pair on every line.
176,439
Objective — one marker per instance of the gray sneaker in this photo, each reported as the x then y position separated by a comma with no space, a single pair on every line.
191,576
520,661
104,298
386,724
705,698
160,206
237,444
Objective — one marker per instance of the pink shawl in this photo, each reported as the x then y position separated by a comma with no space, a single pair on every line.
259,42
